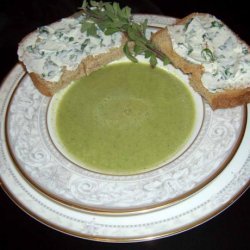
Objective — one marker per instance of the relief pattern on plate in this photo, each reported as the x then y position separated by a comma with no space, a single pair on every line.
6,91
163,224
38,158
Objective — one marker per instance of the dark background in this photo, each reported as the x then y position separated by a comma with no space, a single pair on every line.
229,230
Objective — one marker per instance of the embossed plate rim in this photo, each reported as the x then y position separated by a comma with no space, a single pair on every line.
132,210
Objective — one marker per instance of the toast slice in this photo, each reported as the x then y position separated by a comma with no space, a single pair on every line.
216,59
56,54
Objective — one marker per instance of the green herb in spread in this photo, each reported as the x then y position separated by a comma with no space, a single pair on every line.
187,24
43,29
216,24
190,50
245,50
84,44
228,73
208,55
110,18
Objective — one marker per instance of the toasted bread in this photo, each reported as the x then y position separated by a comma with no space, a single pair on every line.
89,63
221,97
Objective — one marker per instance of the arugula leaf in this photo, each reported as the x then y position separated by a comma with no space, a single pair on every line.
138,49
153,60
126,12
111,18
166,60
111,31
148,54
129,54
116,8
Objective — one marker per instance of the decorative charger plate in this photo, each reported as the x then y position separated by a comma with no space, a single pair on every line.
212,172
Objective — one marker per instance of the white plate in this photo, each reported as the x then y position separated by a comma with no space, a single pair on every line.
223,183
36,155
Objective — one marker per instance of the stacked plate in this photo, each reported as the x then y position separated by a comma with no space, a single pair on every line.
205,179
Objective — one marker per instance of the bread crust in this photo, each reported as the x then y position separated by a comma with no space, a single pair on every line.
221,99
162,41
50,88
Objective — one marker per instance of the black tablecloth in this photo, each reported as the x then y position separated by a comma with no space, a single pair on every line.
229,230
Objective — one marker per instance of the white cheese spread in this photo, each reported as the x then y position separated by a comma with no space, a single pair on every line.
207,41
52,48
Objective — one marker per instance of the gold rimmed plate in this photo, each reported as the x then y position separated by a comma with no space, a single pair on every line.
217,164
215,139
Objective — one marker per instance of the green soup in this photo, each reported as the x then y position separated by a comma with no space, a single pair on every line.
125,118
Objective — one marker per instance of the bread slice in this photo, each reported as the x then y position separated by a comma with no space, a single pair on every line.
89,62
88,65
222,95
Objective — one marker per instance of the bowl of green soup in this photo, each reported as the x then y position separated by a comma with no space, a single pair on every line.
126,118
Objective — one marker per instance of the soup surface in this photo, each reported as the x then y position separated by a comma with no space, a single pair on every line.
125,118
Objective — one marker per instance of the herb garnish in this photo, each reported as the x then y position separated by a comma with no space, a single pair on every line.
111,18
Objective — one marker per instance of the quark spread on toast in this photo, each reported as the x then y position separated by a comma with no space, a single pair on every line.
207,41
62,45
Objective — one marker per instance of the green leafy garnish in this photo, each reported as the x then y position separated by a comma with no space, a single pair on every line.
128,53
208,55
111,18
89,27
